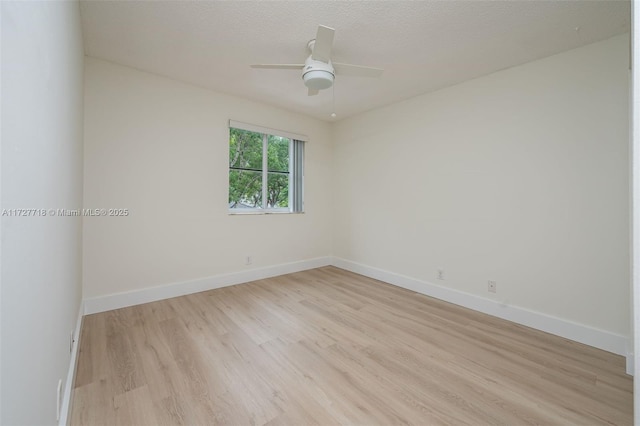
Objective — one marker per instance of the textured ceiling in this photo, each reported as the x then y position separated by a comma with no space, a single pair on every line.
423,46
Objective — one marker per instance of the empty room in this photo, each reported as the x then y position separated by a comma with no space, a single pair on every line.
319,212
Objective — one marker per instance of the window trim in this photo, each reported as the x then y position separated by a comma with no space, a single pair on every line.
292,137
274,132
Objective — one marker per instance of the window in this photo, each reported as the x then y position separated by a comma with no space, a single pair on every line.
265,170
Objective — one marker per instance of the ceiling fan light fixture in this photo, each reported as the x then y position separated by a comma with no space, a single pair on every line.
318,72
318,79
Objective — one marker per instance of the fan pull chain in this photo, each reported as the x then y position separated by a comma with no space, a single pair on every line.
333,93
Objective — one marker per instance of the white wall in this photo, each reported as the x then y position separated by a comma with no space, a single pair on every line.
635,208
41,168
519,177
159,147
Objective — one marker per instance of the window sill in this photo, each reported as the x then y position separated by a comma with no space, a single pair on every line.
252,212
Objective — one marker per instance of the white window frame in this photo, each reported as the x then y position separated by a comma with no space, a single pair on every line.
266,132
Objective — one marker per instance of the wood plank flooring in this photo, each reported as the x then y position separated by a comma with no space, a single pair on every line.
325,347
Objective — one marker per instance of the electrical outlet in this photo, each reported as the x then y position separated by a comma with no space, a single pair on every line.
440,274
248,260
491,287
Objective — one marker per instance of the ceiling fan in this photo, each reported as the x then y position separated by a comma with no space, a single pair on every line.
318,71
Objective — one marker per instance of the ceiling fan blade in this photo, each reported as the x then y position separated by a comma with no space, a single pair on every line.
279,66
313,92
357,70
323,45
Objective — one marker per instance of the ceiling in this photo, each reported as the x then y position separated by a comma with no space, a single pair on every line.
422,45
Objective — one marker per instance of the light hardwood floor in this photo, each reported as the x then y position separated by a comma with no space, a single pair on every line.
330,347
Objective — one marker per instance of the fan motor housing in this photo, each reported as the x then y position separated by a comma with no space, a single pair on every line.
317,75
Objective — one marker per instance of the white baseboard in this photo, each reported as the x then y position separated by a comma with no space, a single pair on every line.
65,407
152,294
601,339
